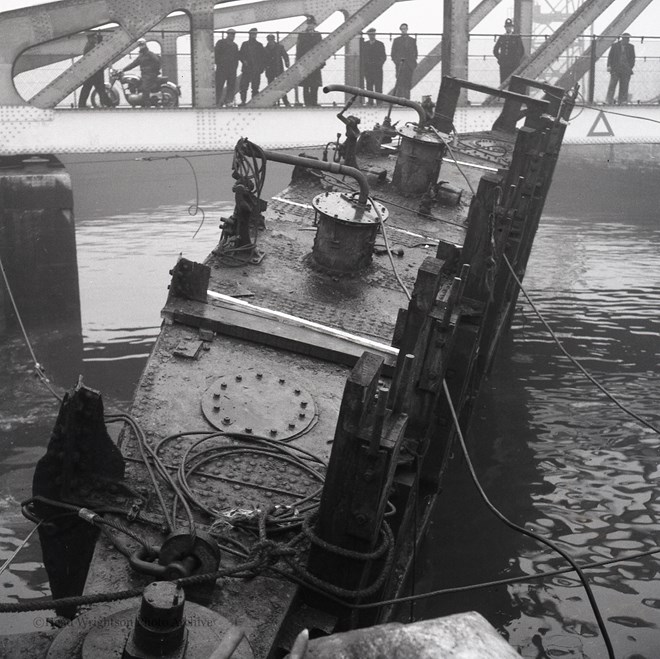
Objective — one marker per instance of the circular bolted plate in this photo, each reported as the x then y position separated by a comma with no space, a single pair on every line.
336,205
259,404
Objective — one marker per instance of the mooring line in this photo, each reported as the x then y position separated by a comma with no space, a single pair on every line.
38,368
582,369
8,562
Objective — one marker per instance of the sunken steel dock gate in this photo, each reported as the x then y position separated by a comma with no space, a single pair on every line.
341,537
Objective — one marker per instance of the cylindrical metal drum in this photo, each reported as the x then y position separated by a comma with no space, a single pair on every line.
346,232
418,164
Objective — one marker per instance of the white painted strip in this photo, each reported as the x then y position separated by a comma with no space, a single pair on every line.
292,203
301,322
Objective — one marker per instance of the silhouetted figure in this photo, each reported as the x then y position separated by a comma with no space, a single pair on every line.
149,64
508,51
620,64
404,56
349,148
276,59
251,55
306,41
96,80
373,58
226,63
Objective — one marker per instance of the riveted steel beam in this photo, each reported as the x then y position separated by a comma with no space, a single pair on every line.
311,60
135,18
574,25
455,30
581,66
523,18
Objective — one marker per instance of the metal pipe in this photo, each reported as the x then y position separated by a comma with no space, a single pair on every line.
396,100
333,167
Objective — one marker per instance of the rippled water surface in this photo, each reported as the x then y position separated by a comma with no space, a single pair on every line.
558,457
553,453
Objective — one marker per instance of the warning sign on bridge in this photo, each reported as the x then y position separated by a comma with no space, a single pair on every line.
601,127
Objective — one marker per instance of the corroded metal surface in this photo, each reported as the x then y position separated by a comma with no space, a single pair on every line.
264,405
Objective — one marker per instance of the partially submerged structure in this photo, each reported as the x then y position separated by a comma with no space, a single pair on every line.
291,429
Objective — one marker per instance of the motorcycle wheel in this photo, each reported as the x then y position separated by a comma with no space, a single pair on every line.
112,93
170,98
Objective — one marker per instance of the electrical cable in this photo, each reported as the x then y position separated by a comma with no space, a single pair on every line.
524,531
195,207
387,247
621,114
582,369
38,368
8,562
451,153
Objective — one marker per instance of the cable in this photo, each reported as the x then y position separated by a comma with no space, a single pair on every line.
524,531
195,207
621,114
38,368
451,153
387,247
583,370
7,563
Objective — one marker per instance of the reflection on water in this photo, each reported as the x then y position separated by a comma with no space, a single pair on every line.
558,456
552,452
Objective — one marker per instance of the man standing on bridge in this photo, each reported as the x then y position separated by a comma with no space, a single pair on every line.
404,56
306,41
96,80
226,63
276,59
373,58
620,64
509,51
251,55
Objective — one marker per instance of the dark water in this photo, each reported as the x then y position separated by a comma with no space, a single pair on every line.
552,452
555,455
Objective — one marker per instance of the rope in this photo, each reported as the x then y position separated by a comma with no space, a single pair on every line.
524,531
38,368
8,562
359,593
582,369
387,247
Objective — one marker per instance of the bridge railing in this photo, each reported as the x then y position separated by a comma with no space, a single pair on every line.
482,68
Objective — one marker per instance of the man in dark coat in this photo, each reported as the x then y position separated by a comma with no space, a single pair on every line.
276,58
373,58
149,63
620,64
96,80
404,56
251,55
226,63
306,41
508,51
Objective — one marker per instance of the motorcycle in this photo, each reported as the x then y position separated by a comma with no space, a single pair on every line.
130,84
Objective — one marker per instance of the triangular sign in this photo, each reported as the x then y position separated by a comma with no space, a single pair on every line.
601,127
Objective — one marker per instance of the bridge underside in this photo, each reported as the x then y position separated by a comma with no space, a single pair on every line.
186,130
